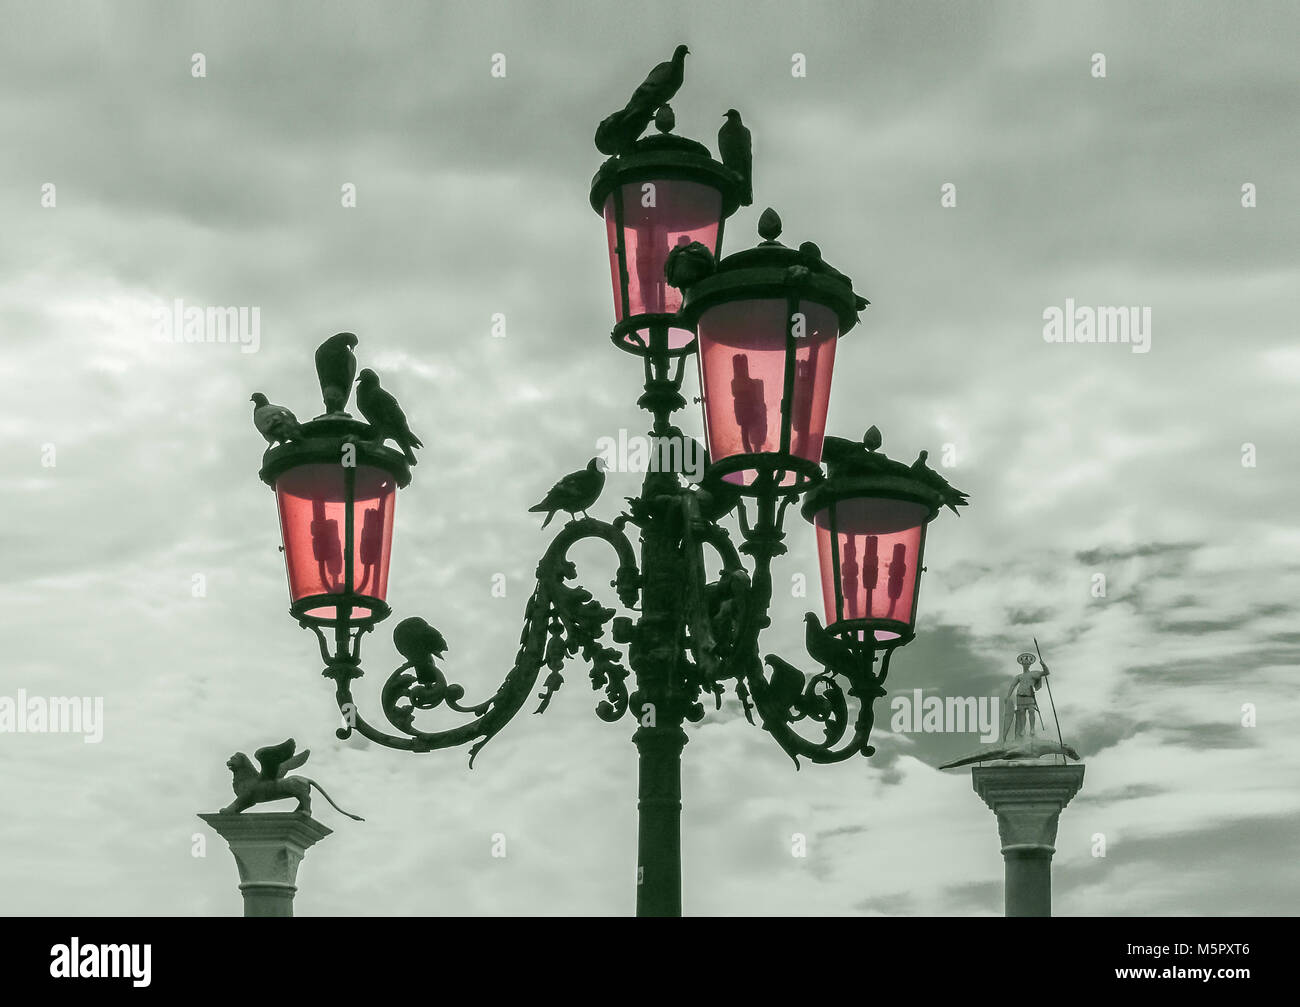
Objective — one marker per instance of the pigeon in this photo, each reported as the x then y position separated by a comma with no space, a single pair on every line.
952,497
736,150
336,366
574,493
661,83
419,643
619,131
718,499
688,263
813,256
787,683
829,651
273,422
384,414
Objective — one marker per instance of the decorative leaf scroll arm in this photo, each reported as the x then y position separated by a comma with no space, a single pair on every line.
789,696
560,620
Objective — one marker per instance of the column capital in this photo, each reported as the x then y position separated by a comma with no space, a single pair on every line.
1028,799
268,846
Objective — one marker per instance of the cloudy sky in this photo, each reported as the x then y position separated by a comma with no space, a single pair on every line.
129,466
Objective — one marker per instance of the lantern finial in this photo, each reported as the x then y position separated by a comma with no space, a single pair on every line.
769,226
872,438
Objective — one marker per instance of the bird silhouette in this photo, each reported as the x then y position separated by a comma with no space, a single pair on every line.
687,263
718,498
419,643
812,255
384,414
619,131
273,422
829,651
952,497
787,683
336,367
574,493
735,147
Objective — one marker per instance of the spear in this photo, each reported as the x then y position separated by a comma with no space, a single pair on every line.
1047,679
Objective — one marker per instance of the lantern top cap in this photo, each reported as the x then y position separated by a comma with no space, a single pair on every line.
771,269
665,155
861,469
322,441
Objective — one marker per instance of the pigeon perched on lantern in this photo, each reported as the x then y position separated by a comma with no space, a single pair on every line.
384,415
735,147
336,369
276,423
619,131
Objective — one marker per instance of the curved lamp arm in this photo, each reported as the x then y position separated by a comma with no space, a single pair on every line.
790,696
560,620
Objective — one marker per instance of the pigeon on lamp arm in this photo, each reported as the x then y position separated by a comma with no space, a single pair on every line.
826,649
419,643
574,493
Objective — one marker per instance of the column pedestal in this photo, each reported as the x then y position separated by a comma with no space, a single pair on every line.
1027,798
268,847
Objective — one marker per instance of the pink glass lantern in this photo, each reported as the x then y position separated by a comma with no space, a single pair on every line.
668,192
871,550
316,511
768,321
870,516
336,496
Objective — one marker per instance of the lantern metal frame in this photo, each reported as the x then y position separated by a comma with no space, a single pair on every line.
689,633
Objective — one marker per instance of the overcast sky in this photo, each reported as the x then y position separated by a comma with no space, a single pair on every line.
1122,190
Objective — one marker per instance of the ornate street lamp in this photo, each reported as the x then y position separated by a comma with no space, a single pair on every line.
768,320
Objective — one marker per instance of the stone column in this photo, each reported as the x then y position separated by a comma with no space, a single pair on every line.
268,846
1027,798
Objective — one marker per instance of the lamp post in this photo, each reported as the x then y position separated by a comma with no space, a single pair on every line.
765,323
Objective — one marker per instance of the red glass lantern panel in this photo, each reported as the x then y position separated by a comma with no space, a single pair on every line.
682,212
874,551
743,346
313,502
